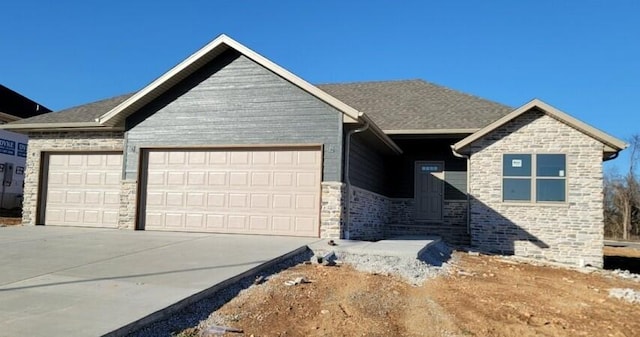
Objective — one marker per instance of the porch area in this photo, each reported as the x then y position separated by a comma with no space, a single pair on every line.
421,192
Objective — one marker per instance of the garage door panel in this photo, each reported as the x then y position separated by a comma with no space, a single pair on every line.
234,191
238,179
156,178
75,160
174,220
217,179
110,216
82,189
112,178
283,179
92,197
92,217
196,178
74,197
238,200
306,179
112,199
282,223
94,178
304,224
75,178
175,178
260,201
283,158
216,199
260,179
282,201
215,222
175,199
195,221
306,201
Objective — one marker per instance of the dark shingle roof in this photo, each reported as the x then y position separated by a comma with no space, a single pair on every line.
392,105
417,105
81,113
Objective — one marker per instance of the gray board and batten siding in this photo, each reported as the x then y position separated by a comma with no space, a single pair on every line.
367,167
235,101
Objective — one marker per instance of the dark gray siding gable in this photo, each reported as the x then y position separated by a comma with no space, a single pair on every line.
235,101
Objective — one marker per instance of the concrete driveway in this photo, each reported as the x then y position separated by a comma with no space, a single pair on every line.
58,281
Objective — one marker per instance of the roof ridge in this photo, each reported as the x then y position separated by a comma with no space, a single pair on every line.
420,80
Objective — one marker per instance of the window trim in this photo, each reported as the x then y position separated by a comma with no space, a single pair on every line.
534,179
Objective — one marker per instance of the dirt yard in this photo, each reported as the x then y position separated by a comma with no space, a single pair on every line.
10,221
479,296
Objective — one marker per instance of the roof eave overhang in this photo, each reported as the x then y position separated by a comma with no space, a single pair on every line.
194,62
611,144
380,134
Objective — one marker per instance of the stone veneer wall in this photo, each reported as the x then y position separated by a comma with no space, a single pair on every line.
40,142
453,228
332,210
128,205
570,232
368,214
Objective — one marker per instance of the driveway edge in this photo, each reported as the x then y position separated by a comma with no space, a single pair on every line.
176,307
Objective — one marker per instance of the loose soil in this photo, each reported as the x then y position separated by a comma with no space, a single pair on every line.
10,221
478,296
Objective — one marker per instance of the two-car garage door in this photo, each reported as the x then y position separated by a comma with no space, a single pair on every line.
268,191
256,191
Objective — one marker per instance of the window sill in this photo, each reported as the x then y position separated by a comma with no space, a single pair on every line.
537,204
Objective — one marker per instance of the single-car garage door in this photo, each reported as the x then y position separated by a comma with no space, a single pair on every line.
82,189
252,191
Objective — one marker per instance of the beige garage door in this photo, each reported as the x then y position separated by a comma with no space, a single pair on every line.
82,189
234,191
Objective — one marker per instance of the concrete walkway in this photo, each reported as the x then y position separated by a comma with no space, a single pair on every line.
412,247
90,282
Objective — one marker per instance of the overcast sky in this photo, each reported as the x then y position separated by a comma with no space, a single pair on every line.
581,56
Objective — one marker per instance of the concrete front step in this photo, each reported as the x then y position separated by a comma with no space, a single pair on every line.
455,235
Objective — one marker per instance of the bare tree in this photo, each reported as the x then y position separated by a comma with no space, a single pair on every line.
623,194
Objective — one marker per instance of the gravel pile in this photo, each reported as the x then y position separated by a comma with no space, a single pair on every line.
625,274
629,295
433,262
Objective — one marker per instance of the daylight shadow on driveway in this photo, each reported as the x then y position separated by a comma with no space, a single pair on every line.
122,277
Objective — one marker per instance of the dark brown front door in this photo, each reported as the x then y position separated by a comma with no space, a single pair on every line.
429,178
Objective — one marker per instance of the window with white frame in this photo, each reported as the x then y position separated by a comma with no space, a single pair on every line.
534,177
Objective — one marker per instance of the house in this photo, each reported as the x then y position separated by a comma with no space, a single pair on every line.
13,146
229,142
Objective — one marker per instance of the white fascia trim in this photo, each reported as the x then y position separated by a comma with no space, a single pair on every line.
608,140
224,41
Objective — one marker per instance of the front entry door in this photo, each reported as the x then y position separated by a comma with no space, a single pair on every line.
429,181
